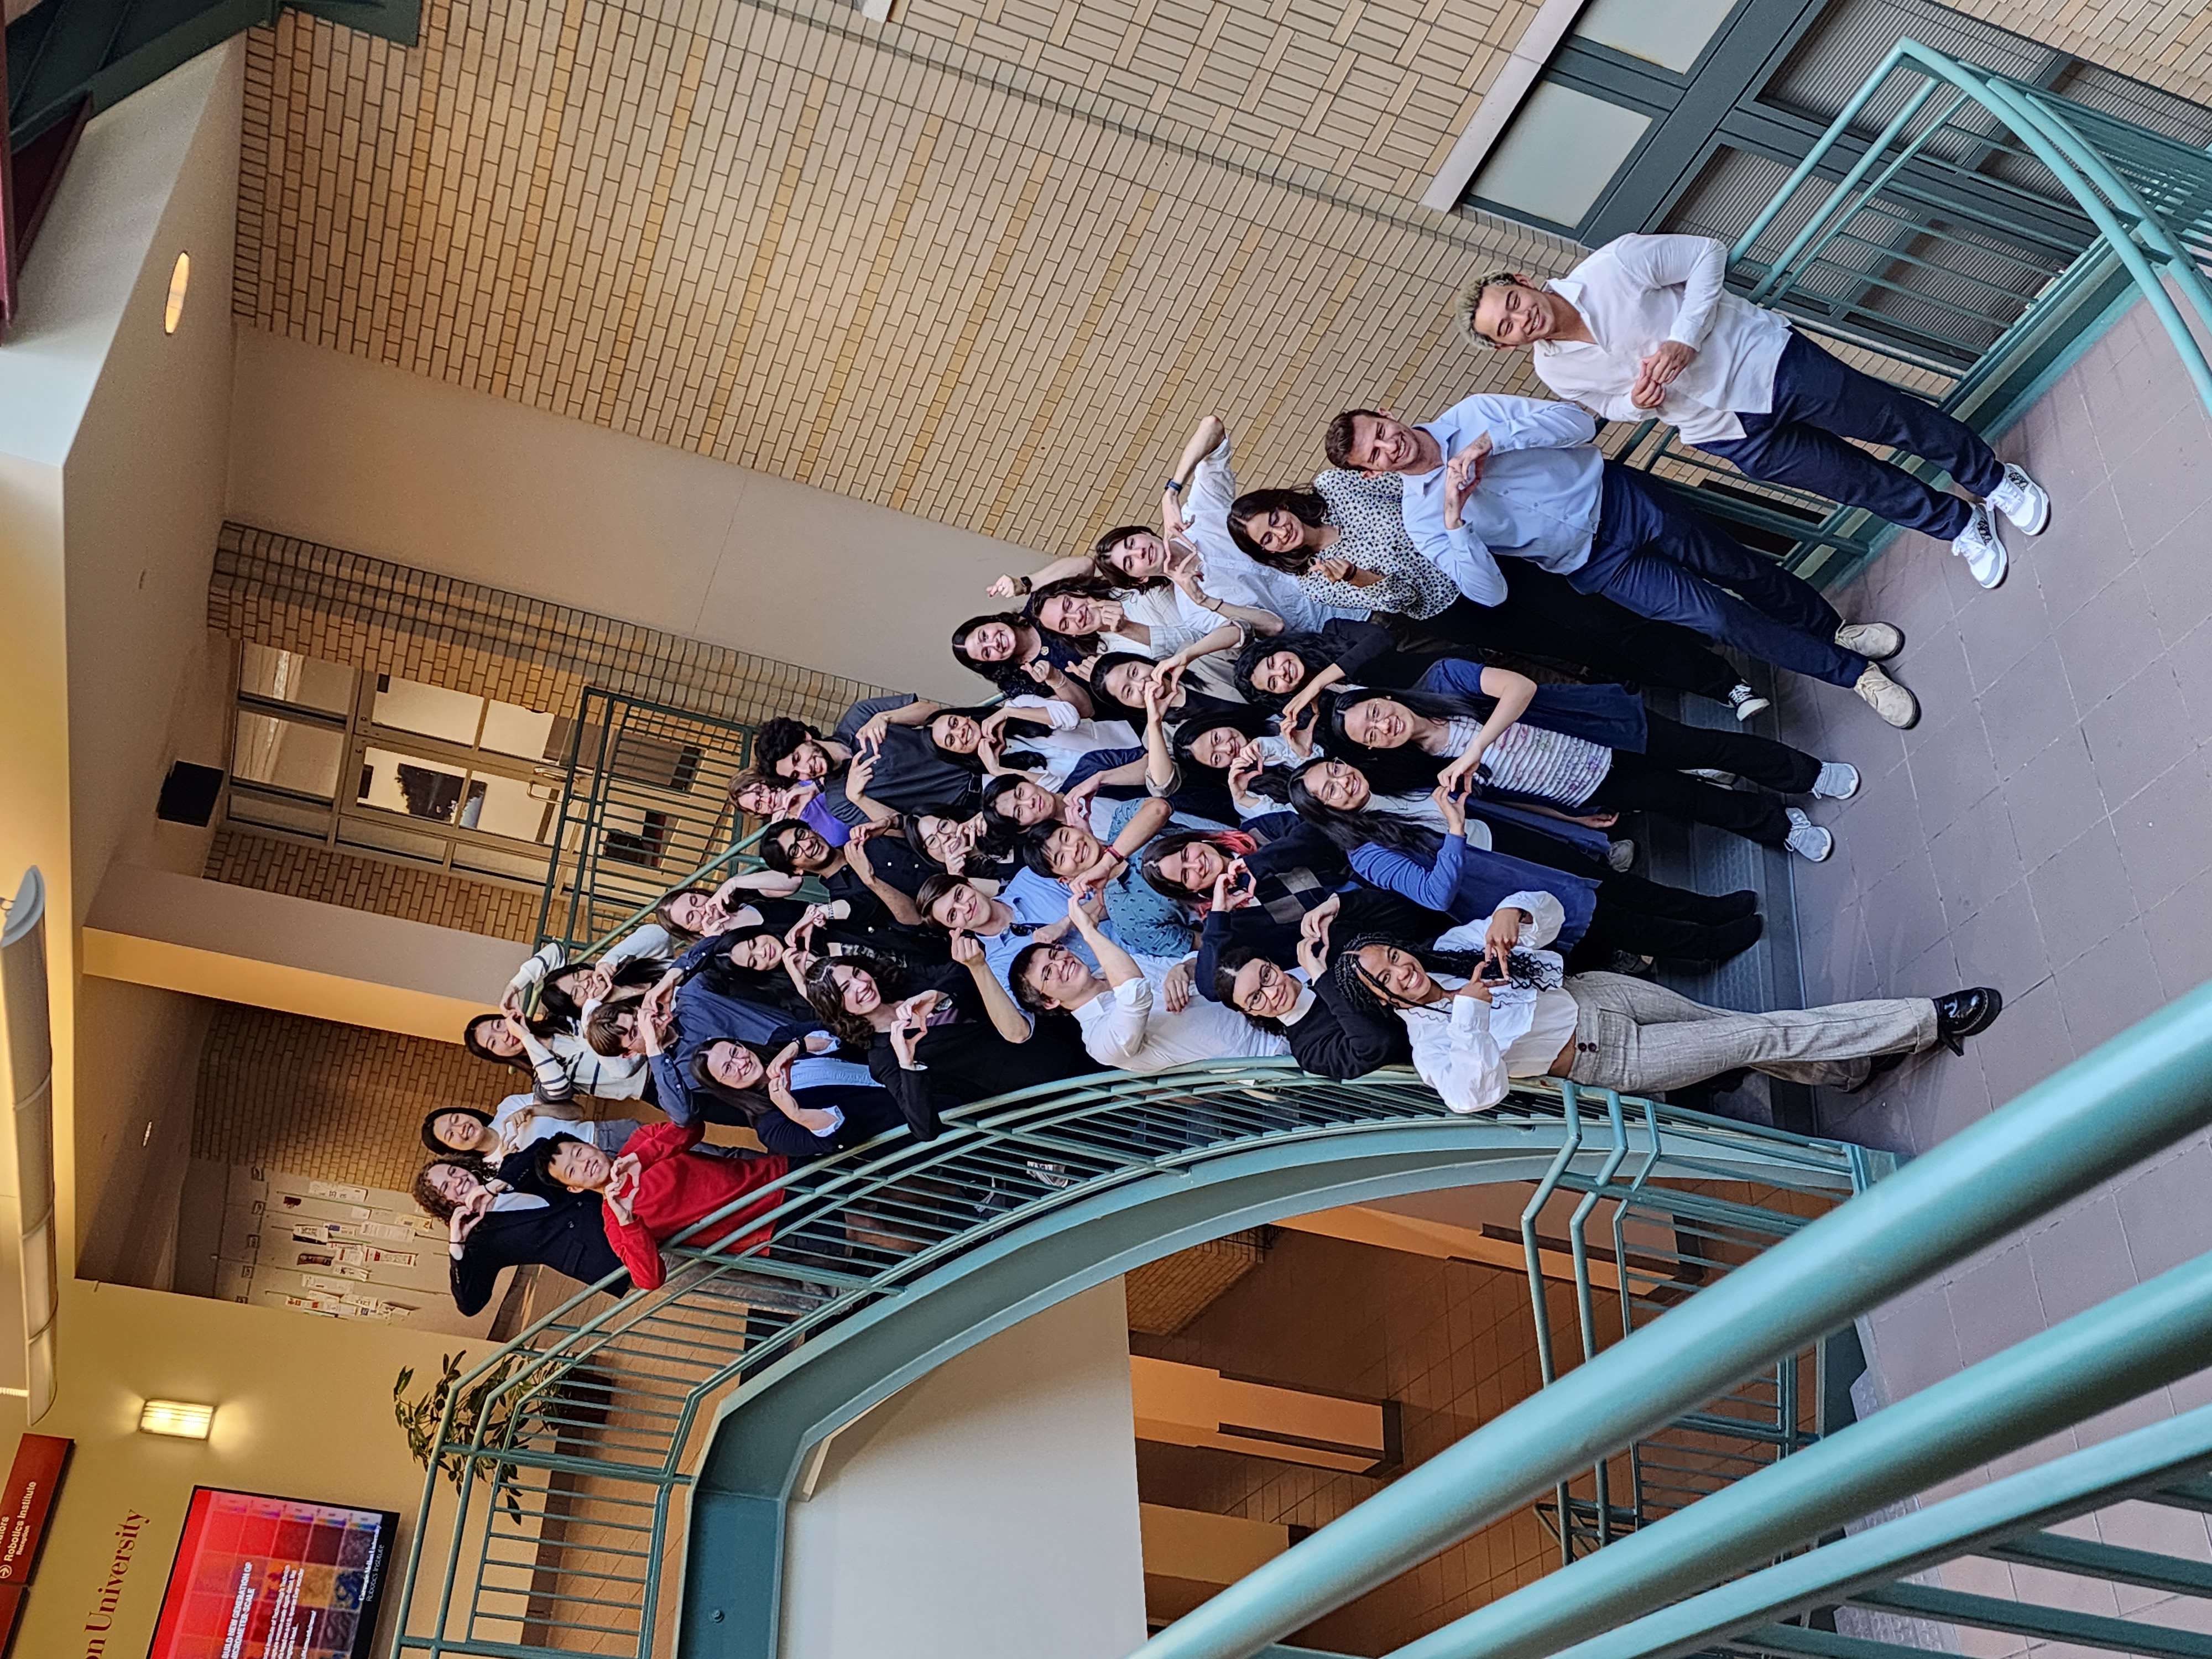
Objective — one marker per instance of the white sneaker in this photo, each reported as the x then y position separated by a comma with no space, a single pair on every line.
1711,775
1807,839
1838,781
1977,544
1620,855
1747,703
1875,641
1888,698
2022,499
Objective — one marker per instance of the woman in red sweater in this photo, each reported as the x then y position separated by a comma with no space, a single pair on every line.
659,1187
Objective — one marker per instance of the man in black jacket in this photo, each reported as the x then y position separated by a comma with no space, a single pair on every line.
491,1225
1329,1036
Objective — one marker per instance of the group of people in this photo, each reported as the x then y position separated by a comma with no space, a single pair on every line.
1336,772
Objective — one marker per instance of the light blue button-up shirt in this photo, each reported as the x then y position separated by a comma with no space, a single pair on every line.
1538,499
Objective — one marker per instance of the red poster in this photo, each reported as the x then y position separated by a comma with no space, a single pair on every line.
24,1503
261,1577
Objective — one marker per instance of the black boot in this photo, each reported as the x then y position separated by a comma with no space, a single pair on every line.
1967,1014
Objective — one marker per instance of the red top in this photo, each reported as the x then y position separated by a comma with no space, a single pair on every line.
676,1186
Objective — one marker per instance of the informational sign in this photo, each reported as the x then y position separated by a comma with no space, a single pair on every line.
26,1502
262,1578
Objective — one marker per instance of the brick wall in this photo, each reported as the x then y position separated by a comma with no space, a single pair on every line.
339,1102
273,863
987,265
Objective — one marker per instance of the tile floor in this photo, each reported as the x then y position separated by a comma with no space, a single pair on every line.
2046,828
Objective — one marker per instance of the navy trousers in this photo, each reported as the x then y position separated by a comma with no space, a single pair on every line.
1819,400
1662,560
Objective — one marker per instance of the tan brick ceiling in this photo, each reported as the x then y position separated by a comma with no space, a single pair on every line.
986,263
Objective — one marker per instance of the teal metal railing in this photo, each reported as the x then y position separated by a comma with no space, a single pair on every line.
644,809
2142,1092
674,1425
1965,235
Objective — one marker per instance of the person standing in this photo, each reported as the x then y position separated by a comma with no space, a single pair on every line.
1646,327
1519,478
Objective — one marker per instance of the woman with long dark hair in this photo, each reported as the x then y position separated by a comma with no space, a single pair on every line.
1345,540
1053,739
1011,652
797,1103
1482,1007
1579,751
940,1031
1434,865
1093,615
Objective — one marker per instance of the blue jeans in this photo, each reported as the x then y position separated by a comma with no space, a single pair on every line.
1660,559
1819,400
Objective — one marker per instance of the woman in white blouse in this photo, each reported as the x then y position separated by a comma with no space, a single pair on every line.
1486,1004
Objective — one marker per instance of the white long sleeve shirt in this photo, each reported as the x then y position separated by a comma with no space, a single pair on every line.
1468,1050
1228,571
1637,293
1130,1029
1538,499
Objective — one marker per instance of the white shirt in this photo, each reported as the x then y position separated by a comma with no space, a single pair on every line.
1228,572
1468,1050
1173,619
1130,1029
1538,499
1066,740
1638,292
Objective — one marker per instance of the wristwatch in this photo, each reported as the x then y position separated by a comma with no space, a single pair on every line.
1174,486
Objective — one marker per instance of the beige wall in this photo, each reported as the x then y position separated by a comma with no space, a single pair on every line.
305,1411
331,448
989,1512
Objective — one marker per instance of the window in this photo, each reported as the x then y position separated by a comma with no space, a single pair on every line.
393,766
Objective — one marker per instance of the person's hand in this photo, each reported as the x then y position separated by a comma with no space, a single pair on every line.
801,934
799,961
1463,475
1247,765
621,1192
511,1004
1157,691
1475,989
1185,565
779,1069
1176,987
1597,820
987,747
466,1214
1299,729
1039,669
1313,936
861,772
1094,905
1079,910
1333,570
1659,371
1006,587
872,733
1172,523
1233,888
1460,774
515,1028
967,950
1453,805
1167,677
1501,936
656,1018
1075,805
908,1023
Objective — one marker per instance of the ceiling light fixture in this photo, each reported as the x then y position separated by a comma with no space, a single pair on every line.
180,277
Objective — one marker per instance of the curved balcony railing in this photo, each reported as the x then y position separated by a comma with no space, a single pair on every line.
615,1437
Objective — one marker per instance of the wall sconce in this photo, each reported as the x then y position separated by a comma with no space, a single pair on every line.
180,277
177,1418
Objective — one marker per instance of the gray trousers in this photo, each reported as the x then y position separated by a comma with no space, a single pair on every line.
1630,1034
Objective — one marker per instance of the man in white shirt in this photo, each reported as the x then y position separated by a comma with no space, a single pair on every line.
1139,1015
1646,327
1519,477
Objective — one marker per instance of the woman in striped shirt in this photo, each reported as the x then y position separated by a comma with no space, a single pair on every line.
1585,752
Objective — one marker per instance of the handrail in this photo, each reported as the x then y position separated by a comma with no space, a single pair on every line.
1019,1202
2149,1336
2138,1093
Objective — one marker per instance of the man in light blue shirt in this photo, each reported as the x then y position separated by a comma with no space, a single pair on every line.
1516,478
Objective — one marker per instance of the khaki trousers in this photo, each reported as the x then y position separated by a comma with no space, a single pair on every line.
1633,1034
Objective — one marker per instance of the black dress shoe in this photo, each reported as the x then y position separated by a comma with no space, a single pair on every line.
1881,1065
1733,938
1967,1014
